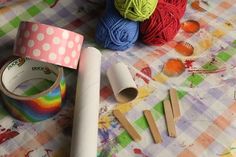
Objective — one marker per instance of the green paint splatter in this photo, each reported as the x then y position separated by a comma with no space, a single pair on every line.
124,139
142,123
223,56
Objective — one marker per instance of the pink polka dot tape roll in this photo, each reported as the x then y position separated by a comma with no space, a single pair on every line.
48,44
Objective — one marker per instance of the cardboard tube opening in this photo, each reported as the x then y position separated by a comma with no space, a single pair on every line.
127,94
122,83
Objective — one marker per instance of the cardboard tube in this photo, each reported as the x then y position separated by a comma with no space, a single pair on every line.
85,124
122,83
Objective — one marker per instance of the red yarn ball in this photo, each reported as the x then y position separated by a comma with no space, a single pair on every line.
162,26
180,5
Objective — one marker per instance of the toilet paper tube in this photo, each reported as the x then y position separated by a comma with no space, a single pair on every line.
122,83
86,111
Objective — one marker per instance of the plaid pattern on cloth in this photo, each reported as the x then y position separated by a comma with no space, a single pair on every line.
207,89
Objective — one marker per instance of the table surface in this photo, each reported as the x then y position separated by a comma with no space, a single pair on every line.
207,92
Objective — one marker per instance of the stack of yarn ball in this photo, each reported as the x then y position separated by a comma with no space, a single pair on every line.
124,21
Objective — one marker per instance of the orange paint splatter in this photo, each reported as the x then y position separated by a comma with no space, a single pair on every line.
190,26
196,6
173,67
184,48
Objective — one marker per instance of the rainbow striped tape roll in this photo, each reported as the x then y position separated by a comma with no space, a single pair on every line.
39,106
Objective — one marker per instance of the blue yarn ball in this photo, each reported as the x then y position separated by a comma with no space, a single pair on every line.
115,32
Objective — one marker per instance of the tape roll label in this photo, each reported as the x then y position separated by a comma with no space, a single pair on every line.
17,62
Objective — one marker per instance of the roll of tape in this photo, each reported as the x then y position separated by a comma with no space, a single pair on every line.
35,107
48,44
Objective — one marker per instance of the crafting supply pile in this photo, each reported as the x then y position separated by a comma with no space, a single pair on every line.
153,22
41,51
44,44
